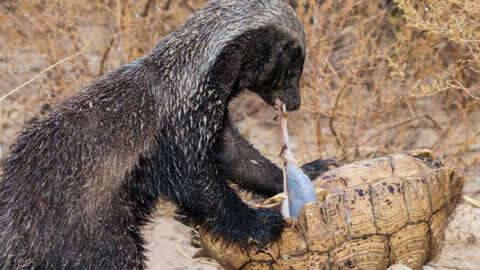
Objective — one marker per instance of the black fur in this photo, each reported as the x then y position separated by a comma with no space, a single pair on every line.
79,184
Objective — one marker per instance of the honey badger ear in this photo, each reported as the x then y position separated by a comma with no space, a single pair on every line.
292,3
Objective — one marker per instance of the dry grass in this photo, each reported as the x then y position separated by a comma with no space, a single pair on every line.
379,77
386,78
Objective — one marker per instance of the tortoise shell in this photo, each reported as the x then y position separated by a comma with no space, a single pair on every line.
372,214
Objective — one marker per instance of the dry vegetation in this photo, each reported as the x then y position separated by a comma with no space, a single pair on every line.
384,82
381,76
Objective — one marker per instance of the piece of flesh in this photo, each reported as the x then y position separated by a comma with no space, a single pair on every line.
297,186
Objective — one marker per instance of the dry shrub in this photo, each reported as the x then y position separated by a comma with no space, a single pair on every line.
386,77
380,76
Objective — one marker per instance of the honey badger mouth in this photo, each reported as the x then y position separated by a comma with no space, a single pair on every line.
290,97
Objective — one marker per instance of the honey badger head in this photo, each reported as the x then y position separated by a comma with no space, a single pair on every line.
277,73
257,45
265,50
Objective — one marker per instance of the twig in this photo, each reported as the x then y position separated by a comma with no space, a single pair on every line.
84,60
383,130
332,117
167,5
147,8
445,133
435,124
187,5
471,201
10,92
392,127
325,59
466,90
105,56
350,29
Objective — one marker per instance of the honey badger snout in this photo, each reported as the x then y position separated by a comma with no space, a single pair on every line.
291,98
288,95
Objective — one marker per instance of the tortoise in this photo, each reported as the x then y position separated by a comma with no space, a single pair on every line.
370,215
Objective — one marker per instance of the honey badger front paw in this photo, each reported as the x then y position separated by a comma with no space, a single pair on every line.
267,228
257,227
317,167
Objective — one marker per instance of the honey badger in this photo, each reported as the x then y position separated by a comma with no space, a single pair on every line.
79,184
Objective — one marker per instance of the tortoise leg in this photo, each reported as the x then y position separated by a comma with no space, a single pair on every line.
317,167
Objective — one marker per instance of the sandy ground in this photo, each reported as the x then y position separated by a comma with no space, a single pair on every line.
170,248
462,241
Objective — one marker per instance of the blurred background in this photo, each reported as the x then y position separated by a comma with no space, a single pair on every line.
380,77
